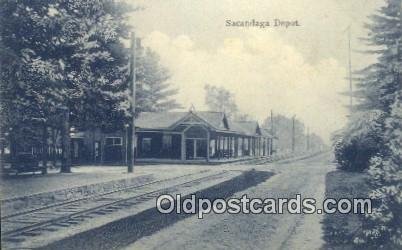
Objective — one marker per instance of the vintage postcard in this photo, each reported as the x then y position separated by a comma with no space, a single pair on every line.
201,124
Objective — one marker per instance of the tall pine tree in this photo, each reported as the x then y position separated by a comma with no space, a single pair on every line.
95,61
380,91
154,92
379,81
58,55
376,89
30,72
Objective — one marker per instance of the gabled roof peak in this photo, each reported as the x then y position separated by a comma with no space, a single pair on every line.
216,119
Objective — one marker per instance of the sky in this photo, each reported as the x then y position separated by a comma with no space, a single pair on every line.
298,70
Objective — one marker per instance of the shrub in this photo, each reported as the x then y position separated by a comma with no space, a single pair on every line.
383,227
360,141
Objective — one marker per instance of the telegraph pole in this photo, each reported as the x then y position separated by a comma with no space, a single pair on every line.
350,72
398,73
308,139
131,137
272,131
293,134
66,141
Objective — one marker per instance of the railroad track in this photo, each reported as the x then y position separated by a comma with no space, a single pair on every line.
16,227
258,161
283,159
55,204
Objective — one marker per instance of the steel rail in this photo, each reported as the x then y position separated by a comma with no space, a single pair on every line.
22,230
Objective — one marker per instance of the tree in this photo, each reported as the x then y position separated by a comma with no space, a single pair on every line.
283,127
62,55
30,74
243,117
376,87
379,91
316,143
220,99
154,91
383,227
379,82
95,61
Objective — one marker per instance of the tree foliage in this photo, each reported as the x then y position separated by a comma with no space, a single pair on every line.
360,141
379,82
375,91
220,99
94,61
383,227
154,91
30,73
283,129
374,133
59,55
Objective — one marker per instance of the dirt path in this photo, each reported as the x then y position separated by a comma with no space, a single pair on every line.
251,231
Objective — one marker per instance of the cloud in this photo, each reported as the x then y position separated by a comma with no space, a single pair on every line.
263,71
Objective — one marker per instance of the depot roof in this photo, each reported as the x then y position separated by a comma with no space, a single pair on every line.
215,120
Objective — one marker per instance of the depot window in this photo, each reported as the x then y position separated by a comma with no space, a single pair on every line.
114,141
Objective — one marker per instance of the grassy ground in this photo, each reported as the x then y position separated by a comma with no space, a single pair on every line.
341,229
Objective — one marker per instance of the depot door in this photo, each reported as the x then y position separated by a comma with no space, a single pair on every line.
196,148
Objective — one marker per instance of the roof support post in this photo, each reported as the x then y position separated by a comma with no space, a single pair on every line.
236,147
260,146
251,146
254,146
227,145
230,146
208,144
183,147
243,146
269,147
218,146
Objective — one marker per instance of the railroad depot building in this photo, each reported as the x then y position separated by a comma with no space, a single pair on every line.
176,137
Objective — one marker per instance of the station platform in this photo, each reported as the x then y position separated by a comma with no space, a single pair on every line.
29,184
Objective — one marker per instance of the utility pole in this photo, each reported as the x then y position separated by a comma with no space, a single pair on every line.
350,72
293,133
398,73
126,127
308,139
131,136
66,141
272,131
